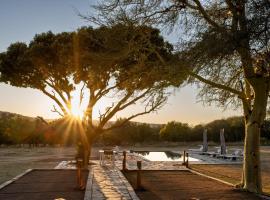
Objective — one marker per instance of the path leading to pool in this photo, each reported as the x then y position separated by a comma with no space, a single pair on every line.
104,182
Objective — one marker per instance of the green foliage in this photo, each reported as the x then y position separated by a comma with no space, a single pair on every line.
175,131
15,128
234,129
131,133
18,129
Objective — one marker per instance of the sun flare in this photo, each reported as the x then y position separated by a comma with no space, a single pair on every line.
76,109
77,112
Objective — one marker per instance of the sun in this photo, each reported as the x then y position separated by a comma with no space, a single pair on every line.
77,112
78,102
76,109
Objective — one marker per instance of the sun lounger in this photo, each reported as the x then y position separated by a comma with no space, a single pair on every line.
237,154
199,150
203,148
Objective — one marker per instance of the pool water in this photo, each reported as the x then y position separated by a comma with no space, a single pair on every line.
164,156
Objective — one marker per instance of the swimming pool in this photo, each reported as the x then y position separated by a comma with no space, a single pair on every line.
164,156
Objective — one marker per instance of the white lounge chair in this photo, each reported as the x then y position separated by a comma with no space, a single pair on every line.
237,154
199,150
213,153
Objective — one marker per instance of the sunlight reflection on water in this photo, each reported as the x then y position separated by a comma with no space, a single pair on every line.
164,156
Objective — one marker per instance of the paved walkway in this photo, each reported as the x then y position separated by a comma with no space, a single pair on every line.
104,182
108,183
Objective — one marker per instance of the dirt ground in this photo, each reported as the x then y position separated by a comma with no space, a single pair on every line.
182,185
233,173
14,161
44,185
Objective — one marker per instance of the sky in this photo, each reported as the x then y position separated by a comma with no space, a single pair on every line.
21,20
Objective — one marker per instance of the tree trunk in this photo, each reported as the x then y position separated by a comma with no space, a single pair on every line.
254,117
86,155
251,166
90,139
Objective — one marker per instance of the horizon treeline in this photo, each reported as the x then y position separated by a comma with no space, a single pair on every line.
23,130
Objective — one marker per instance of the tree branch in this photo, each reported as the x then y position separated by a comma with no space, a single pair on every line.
53,97
57,111
67,102
153,108
208,18
217,85
115,109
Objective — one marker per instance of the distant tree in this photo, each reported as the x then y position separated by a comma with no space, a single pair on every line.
126,62
131,133
175,131
197,133
234,129
225,46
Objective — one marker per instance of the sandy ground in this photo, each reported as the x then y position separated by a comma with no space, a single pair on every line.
14,161
233,173
182,185
44,185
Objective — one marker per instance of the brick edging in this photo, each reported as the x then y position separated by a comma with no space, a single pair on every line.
88,189
130,189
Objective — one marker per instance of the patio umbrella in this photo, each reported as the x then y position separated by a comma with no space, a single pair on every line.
205,145
222,142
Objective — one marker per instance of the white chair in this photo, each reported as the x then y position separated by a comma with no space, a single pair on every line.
105,155
214,153
237,154
197,150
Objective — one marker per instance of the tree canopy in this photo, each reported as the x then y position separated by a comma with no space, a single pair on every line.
127,62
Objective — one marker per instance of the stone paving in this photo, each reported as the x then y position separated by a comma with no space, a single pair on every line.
104,182
107,182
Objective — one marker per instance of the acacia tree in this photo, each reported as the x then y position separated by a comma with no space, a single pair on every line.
126,62
45,64
225,47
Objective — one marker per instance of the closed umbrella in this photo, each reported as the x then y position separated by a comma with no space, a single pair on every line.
222,142
205,145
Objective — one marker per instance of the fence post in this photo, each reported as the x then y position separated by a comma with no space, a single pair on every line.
139,181
79,174
187,160
184,158
124,160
